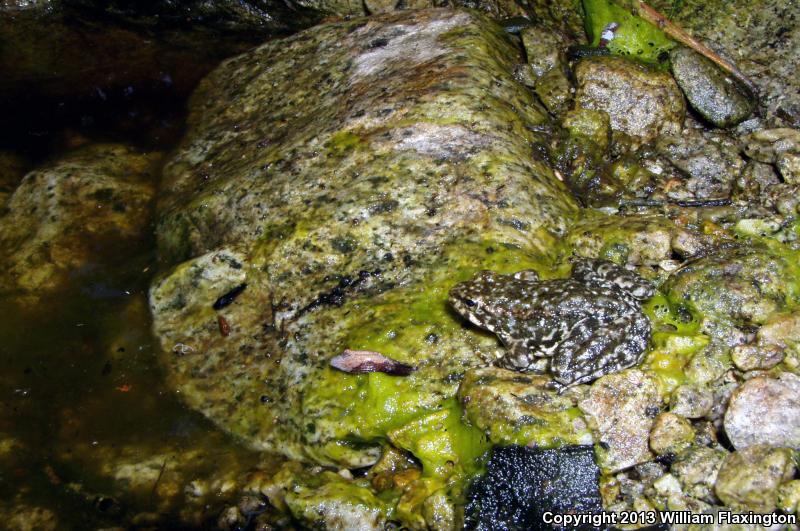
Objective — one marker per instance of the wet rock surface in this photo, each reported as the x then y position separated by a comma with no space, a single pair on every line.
374,186
760,37
710,161
521,484
733,289
780,147
514,408
749,478
641,101
621,409
714,96
68,217
765,410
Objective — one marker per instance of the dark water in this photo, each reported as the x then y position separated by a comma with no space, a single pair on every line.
88,427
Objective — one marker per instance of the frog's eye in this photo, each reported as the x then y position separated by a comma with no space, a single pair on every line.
470,302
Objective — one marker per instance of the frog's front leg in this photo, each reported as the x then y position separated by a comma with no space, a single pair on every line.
523,355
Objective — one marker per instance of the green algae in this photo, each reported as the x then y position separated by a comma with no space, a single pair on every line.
335,502
409,324
444,444
514,408
634,37
675,339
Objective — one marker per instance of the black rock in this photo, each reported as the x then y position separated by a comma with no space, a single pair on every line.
522,483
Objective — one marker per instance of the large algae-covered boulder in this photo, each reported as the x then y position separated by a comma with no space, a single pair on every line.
74,214
330,189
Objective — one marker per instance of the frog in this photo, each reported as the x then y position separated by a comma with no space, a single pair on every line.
579,328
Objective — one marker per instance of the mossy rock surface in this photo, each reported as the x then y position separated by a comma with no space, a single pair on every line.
349,176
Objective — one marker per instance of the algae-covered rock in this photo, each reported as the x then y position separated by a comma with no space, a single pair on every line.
780,147
749,478
514,408
544,49
637,240
735,288
759,36
73,215
715,96
339,183
696,469
710,162
641,101
329,501
670,434
691,401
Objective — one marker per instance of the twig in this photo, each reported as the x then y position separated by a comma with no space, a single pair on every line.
679,34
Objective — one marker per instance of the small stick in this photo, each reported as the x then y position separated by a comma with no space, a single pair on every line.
679,34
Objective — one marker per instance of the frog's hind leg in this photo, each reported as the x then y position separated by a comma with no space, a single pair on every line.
593,351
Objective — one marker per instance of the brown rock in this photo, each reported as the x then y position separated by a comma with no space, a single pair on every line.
620,409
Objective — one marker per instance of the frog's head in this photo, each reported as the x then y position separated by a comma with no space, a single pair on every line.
477,299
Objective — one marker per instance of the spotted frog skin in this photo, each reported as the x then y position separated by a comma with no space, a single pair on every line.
587,325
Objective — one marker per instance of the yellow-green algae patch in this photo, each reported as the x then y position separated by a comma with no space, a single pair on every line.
676,337
410,324
634,37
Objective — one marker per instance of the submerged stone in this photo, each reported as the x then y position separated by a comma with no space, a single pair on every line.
349,176
75,214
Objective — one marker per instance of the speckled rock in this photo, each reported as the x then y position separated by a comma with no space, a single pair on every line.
637,240
670,434
782,330
780,147
715,96
23,517
348,176
696,469
760,36
61,214
691,401
765,410
336,504
641,101
710,161
734,288
789,496
753,356
749,478
589,124
12,169
514,408
544,50
620,409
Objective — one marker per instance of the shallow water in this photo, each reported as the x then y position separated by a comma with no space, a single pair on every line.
88,427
